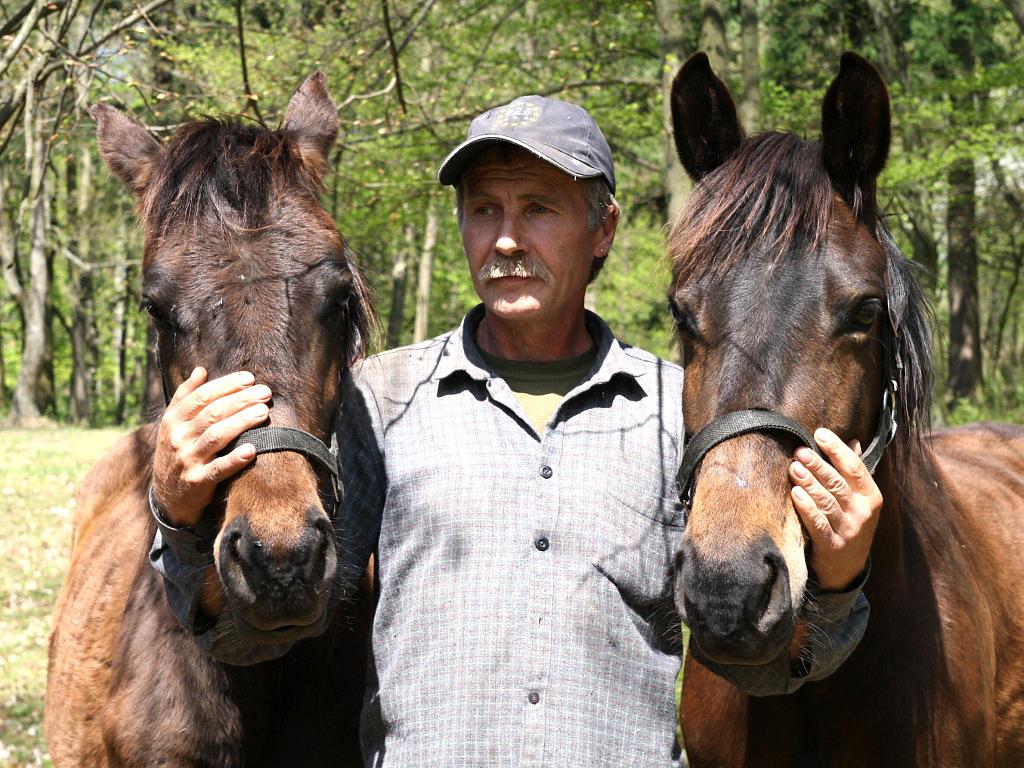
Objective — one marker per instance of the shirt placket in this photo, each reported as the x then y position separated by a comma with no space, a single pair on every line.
544,548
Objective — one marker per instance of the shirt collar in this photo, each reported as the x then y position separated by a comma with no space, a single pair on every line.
461,354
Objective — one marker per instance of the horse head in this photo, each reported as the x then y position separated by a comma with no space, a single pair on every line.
243,269
790,297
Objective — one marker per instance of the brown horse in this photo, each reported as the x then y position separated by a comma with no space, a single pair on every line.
791,297
242,270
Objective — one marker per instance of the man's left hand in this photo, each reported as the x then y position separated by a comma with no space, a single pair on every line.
839,506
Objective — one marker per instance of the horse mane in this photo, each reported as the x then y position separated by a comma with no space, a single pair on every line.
213,164
774,195
907,340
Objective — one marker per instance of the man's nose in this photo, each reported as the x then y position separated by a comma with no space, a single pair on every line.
507,246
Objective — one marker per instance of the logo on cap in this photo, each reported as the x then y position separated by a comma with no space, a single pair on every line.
516,115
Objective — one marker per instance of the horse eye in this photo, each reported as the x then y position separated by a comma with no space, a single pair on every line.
680,317
863,315
338,295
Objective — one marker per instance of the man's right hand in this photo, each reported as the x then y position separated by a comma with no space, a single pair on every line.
201,419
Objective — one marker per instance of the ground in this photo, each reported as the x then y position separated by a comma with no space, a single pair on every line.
40,470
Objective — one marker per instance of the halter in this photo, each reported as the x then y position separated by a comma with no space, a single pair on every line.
276,439
738,423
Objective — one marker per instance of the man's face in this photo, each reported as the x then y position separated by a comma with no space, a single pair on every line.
524,230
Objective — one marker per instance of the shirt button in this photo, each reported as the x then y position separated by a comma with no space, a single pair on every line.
546,472
534,697
542,544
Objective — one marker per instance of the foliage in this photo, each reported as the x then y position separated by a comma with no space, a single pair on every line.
453,61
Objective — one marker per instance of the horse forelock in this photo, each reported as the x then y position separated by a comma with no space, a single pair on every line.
211,164
772,194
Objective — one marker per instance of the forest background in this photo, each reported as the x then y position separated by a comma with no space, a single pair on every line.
408,75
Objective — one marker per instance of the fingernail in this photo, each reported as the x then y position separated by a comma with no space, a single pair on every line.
798,470
259,410
246,378
856,446
804,454
247,450
197,372
800,493
823,435
261,391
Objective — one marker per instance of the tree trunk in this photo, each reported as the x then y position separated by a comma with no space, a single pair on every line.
964,315
1016,9
26,391
750,102
712,36
80,289
399,280
120,326
426,274
672,38
7,244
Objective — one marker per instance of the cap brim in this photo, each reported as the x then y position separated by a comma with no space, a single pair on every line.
455,164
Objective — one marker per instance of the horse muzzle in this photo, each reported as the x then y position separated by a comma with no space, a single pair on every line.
739,610
274,588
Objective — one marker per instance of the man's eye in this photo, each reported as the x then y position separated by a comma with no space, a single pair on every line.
483,210
537,208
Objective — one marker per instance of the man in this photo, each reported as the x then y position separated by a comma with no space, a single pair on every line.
515,478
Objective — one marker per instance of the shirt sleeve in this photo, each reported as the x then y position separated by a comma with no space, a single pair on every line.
837,620
182,555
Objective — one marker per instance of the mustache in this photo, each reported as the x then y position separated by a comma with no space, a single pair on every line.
524,266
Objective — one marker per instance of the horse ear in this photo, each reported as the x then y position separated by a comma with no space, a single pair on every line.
126,146
855,130
704,122
313,119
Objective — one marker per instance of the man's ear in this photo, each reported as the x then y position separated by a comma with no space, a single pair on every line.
312,119
855,132
704,122
126,146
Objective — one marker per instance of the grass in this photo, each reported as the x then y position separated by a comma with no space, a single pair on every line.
41,469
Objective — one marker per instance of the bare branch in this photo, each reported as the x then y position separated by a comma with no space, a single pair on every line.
250,97
19,40
371,95
394,57
124,24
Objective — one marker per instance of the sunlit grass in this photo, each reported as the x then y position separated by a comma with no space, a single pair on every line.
39,471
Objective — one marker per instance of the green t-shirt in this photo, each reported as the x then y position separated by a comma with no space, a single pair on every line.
540,387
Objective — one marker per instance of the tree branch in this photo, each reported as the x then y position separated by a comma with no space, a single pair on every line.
249,95
31,19
394,57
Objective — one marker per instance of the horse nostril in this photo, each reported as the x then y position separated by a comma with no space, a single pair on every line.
775,596
234,550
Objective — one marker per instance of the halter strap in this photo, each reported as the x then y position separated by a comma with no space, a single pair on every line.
738,423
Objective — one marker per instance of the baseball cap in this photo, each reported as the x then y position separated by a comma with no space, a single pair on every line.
561,133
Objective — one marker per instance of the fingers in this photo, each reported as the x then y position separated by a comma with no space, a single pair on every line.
199,397
189,385
820,480
817,523
818,505
223,431
223,467
845,460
